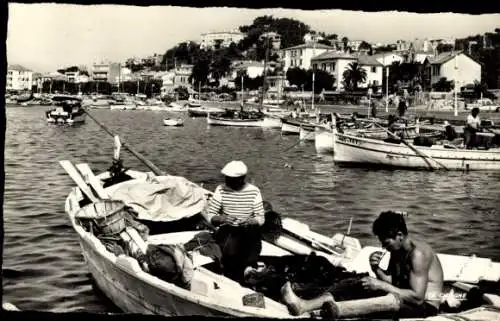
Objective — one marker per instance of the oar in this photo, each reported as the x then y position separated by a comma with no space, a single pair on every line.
145,161
418,152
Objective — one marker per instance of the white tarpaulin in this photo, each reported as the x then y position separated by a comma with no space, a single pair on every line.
164,198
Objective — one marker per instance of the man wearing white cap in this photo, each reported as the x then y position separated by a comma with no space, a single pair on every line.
236,207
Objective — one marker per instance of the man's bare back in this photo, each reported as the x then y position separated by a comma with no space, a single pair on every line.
402,270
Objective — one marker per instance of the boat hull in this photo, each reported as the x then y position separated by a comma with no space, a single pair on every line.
323,141
123,107
349,149
173,122
202,111
289,129
306,134
218,121
121,286
271,122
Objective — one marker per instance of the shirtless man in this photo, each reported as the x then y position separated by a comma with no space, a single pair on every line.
413,281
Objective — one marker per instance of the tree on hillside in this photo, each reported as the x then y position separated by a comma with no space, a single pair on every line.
201,70
219,67
353,75
296,76
292,31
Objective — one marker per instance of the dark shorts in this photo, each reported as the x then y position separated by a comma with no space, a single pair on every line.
423,310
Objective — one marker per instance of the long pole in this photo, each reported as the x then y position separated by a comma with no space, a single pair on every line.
455,88
313,73
119,76
265,73
242,91
386,87
148,163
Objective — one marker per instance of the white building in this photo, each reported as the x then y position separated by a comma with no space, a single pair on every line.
252,68
300,56
388,58
456,66
336,63
19,78
223,39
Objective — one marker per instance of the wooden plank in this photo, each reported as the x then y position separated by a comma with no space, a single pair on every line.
77,178
91,179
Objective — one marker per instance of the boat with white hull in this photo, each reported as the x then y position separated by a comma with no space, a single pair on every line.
292,126
68,111
323,140
173,122
176,107
203,111
264,122
219,121
134,290
128,106
349,148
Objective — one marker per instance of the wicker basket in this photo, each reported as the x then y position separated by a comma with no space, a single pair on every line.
108,216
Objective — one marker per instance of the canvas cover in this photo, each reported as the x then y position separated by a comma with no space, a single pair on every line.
162,198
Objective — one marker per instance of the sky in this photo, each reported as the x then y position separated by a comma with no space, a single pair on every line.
46,37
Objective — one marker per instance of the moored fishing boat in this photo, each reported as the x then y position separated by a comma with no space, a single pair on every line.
292,126
176,107
353,149
215,120
173,122
203,111
132,287
68,111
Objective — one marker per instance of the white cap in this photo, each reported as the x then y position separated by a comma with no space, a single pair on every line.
234,169
446,123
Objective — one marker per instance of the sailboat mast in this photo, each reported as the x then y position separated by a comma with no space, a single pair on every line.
242,100
265,71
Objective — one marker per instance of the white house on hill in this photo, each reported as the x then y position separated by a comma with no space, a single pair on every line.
455,66
336,63
19,78
388,58
300,56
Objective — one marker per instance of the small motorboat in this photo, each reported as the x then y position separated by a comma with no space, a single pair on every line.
68,111
173,122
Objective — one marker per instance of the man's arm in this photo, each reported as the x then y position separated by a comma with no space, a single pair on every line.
258,217
418,279
214,207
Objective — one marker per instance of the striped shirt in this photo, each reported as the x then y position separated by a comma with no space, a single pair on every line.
242,204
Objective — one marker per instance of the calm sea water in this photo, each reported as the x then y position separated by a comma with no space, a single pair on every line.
458,213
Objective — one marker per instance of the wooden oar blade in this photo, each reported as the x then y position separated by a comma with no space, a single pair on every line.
77,178
92,180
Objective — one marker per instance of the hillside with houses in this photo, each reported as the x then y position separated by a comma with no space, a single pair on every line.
294,60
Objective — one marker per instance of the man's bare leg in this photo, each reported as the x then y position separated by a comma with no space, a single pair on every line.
298,306
352,308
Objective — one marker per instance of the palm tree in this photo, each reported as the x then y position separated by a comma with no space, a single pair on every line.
353,75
